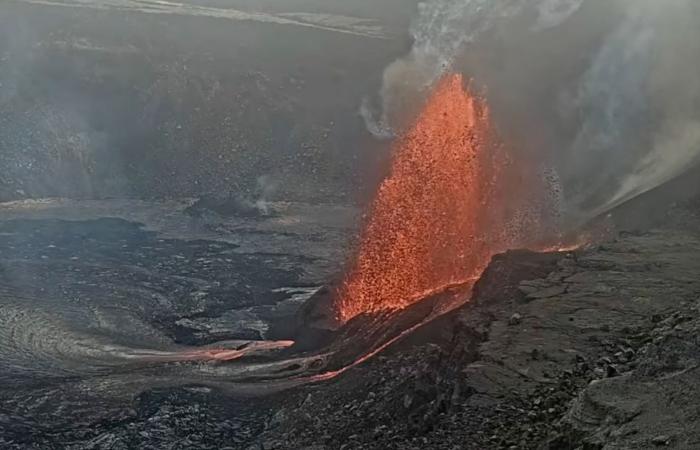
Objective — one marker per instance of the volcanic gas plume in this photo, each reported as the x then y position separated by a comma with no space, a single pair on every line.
453,198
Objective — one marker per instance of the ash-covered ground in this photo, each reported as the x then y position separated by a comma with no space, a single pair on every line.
589,349
595,349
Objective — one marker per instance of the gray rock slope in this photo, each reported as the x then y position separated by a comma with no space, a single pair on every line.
592,350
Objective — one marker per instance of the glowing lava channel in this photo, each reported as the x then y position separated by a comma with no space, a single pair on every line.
453,198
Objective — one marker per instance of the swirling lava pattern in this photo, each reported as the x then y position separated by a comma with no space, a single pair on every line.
79,341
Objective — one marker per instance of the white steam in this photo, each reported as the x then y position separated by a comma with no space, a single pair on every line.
641,124
440,33
619,101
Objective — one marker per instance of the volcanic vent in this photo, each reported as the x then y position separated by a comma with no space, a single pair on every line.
453,198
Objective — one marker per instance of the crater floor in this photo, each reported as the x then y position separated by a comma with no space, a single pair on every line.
591,349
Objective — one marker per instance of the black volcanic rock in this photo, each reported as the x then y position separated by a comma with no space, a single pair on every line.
607,359
224,206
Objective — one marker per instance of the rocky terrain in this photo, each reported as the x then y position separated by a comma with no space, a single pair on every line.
595,349
592,349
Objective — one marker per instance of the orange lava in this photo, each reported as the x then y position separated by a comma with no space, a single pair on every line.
453,198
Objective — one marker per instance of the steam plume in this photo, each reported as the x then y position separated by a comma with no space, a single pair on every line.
441,31
640,124
602,92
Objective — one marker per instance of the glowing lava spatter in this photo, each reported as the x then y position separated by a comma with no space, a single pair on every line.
442,212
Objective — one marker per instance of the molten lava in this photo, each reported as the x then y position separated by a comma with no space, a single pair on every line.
452,199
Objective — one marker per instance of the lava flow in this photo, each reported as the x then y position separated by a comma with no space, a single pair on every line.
453,198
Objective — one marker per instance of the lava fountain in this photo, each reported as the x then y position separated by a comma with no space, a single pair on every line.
452,199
